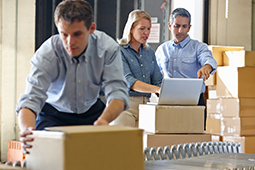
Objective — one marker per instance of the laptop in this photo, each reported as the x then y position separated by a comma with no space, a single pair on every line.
180,91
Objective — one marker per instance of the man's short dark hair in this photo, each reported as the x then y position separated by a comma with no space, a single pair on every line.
180,12
70,10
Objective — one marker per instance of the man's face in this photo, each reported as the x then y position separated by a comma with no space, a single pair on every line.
74,36
179,28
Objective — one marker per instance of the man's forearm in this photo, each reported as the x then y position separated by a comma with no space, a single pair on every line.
26,119
112,111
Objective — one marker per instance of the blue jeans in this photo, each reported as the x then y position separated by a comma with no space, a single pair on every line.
49,116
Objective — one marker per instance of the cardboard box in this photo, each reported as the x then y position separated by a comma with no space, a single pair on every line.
157,140
250,58
247,142
238,126
235,82
213,124
239,58
171,119
217,138
212,92
213,105
217,52
234,58
247,107
87,147
237,107
211,80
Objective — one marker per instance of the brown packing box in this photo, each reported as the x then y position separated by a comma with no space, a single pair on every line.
238,126
237,107
235,82
217,138
213,105
217,52
247,142
211,80
239,58
213,124
87,147
234,58
250,58
247,107
171,119
157,140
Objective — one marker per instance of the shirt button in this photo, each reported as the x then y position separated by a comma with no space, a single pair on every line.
174,71
78,65
141,65
86,60
71,62
143,75
140,55
79,81
79,105
174,59
79,94
188,60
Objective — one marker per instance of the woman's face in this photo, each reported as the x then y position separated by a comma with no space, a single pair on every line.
141,31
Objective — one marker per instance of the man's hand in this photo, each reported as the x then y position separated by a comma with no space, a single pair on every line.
24,139
204,72
101,122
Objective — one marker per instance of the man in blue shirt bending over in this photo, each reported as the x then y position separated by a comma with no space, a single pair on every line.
68,72
183,57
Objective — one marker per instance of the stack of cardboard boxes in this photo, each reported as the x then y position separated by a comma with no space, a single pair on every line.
172,125
231,113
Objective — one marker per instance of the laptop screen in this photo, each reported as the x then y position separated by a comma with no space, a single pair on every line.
180,91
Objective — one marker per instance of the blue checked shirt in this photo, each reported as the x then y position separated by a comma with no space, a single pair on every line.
183,60
140,66
72,85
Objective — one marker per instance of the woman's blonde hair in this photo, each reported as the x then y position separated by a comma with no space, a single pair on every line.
132,21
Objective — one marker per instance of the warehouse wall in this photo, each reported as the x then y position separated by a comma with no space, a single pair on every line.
235,30
18,39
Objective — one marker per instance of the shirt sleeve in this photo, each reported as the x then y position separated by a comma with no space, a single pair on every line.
127,72
205,57
156,77
114,83
37,83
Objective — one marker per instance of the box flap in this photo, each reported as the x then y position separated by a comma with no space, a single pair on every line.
89,128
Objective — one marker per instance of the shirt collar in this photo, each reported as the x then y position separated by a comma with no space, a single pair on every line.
183,43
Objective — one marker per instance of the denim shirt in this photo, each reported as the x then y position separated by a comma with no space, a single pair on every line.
140,66
72,85
183,60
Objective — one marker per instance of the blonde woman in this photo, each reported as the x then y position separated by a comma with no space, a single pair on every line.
139,64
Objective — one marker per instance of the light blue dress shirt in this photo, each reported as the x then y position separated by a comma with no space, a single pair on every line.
140,66
183,60
72,85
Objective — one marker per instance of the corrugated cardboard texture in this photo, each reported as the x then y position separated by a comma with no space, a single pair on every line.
171,119
157,140
213,106
87,147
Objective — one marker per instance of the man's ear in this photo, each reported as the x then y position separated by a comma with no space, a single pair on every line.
169,26
92,27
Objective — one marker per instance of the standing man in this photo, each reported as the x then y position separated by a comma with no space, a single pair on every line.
68,72
183,57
